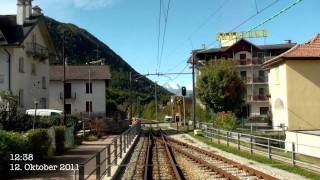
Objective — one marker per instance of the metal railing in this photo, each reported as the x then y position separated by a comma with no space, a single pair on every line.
99,164
271,148
72,96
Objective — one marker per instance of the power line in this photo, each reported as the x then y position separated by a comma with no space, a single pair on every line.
159,32
205,22
254,15
164,33
181,72
256,4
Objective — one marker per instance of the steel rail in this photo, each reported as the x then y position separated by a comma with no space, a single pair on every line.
148,156
204,163
177,174
249,170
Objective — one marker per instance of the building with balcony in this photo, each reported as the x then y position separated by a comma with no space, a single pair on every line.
249,58
25,49
85,89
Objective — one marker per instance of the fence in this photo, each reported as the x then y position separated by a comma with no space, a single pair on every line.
99,165
269,147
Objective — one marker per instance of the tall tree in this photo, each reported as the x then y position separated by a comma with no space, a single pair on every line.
219,86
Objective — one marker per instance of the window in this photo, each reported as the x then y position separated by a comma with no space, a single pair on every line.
261,92
67,90
264,110
44,103
89,106
260,57
243,75
261,75
67,108
243,56
1,78
89,88
44,82
33,69
21,65
21,98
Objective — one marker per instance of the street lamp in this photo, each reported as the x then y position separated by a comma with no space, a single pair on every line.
36,102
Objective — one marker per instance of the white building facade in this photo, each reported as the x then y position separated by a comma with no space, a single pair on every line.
85,89
25,50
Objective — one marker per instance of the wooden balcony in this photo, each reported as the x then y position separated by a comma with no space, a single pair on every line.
246,62
257,98
37,51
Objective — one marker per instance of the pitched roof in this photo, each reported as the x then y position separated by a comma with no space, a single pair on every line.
80,72
262,47
307,51
15,34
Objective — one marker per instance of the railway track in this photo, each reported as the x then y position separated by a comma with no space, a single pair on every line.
221,167
162,157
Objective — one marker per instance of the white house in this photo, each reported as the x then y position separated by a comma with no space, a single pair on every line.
85,89
25,49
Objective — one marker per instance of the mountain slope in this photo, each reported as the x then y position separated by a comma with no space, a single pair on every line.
82,47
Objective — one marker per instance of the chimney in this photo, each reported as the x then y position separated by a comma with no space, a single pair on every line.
36,11
21,12
28,10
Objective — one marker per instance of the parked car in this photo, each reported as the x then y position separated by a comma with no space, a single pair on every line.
168,118
44,112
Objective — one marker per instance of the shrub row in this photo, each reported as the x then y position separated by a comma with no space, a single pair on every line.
22,122
36,142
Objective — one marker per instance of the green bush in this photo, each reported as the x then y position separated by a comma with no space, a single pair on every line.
10,143
91,137
225,120
39,143
46,122
60,138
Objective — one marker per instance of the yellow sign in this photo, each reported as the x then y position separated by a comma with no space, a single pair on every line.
239,35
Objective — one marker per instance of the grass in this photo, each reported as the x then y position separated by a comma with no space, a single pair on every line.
261,159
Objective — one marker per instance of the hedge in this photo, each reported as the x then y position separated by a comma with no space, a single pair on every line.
60,138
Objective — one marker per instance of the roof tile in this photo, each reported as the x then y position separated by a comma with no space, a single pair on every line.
80,73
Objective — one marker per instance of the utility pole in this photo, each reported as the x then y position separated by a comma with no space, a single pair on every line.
193,93
64,80
184,111
156,99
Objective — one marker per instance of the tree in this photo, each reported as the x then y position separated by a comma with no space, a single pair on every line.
219,86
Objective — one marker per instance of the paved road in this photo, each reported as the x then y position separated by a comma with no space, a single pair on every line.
74,156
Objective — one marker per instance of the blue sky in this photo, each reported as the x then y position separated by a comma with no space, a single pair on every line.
130,27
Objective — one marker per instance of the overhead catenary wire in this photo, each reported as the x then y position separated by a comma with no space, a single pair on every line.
264,22
164,34
159,33
204,23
